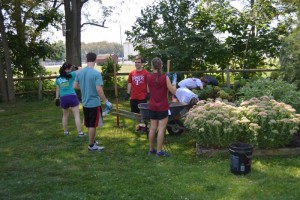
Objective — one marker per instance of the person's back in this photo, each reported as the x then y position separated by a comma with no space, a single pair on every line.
184,95
88,78
159,84
191,83
66,85
90,83
158,90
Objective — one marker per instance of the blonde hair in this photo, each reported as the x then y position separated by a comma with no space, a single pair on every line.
157,65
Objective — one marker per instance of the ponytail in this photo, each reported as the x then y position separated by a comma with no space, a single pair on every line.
157,65
62,70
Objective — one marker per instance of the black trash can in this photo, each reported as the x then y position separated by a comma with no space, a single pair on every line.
240,157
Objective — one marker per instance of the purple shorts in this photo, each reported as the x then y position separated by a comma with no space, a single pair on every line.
69,101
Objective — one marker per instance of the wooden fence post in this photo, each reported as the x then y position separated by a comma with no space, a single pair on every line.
116,95
227,76
40,92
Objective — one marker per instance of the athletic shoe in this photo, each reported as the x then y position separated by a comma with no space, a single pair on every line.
95,148
66,132
96,142
162,153
81,134
152,152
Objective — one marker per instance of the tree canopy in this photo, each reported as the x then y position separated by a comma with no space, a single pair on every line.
210,34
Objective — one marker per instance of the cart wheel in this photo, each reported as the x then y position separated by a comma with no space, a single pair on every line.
175,127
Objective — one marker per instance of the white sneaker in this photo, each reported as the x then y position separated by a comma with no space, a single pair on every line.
66,132
95,148
81,134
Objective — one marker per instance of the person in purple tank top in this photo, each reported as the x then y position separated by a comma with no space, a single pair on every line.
159,84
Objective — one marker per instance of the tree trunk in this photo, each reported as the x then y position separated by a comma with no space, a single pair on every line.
73,31
9,74
3,87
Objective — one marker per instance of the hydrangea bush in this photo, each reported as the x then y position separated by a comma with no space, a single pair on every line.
216,123
276,122
262,122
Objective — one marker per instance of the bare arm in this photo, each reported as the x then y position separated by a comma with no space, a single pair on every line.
171,88
128,88
101,93
57,92
76,85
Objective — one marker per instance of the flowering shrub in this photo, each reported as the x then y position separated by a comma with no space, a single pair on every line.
281,91
216,123
262,122
275,122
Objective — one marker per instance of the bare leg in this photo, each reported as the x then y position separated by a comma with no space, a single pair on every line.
153,128
92,133
161,133
76,114
65,119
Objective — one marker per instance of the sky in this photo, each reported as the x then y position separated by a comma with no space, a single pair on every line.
117,24
121,20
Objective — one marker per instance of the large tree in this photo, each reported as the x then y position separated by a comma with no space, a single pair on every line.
290,58
25,22
166,29
22,25
73,12
7,87
188,32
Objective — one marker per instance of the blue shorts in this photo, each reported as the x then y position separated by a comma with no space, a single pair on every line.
69,101
159,115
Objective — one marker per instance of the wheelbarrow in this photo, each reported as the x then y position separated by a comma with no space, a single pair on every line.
174,126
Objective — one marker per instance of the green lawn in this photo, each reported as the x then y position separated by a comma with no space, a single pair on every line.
39,162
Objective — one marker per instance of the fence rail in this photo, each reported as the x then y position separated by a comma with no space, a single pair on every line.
227,72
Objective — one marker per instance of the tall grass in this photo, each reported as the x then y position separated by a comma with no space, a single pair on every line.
39,162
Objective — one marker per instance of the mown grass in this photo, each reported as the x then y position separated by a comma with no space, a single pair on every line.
39,162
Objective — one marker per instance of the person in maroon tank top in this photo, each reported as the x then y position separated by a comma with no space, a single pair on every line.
159,84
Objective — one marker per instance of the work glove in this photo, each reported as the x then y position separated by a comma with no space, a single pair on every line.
148,96
108,108
168,75
174,79
127,96
57,102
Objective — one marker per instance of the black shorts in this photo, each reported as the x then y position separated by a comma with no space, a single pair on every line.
158,114
134,104
92,116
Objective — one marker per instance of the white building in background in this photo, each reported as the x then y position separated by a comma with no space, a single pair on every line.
129,50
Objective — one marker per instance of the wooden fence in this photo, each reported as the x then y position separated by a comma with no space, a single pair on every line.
225,72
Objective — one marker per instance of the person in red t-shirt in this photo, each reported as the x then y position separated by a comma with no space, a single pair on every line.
137,85
158,85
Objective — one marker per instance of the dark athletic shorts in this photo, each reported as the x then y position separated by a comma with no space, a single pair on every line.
92,116
134,104
69,101
158,114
